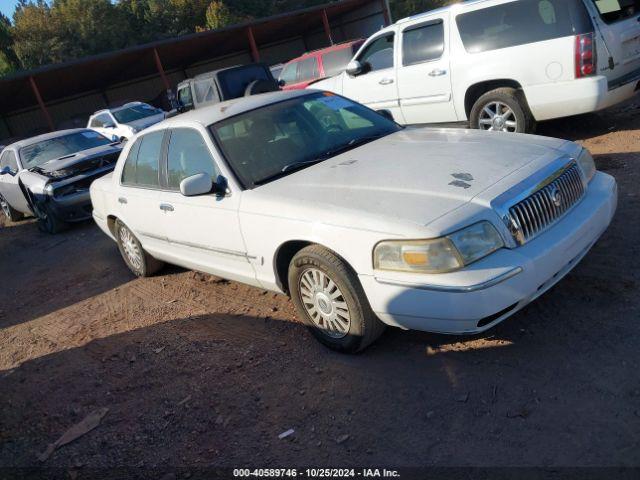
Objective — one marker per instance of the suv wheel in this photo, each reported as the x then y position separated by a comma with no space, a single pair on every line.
9,212
330,301
502,109
137,259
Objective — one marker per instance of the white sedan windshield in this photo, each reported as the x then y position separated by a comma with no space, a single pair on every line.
272,141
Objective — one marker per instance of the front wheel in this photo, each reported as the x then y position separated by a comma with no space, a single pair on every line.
330,301
10,212
137,259
504,110
48,222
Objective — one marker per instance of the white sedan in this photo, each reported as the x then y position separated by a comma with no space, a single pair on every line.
362,222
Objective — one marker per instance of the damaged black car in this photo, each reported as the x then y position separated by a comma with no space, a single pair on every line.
49,176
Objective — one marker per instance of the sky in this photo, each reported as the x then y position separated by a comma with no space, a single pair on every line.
7,7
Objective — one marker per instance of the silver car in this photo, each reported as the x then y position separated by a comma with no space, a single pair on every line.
48,176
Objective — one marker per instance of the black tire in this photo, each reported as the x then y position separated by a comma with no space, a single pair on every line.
147,265
261,86
10,212
514,99
362,329
48,222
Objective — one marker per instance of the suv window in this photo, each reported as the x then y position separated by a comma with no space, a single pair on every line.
188,155
141,166
8,159
522,22
204,90
612,11
184,96
336,61
307,69
379,53
423,43
289,73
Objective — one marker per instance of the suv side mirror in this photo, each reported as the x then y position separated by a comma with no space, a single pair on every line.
198,184
354,68
281,83
6,171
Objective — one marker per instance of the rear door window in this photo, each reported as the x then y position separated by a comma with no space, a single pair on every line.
289,73
142,165
522,22
612,11
307,69
379,53
423,43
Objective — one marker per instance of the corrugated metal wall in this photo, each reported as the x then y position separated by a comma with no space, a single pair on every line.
74,112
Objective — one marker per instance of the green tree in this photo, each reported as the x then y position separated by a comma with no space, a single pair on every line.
37,38
8,60
218,15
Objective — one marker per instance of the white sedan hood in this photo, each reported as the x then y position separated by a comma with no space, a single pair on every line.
415,175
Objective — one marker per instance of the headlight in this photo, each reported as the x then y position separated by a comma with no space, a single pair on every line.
48,189
587,165
440,255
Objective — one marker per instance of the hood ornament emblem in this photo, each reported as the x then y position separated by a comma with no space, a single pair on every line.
556,196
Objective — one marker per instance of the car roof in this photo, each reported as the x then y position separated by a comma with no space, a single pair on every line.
454,6
47,136
332,48
211,114
117,109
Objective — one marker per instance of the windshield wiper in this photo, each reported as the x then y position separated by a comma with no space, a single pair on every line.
289,168
356,142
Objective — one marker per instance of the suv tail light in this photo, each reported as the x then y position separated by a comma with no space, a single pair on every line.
585,55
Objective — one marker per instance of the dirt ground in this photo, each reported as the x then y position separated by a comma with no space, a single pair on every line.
200,372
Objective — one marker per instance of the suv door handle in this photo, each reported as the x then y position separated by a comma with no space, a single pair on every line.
122,200
166,207
386,81
437,73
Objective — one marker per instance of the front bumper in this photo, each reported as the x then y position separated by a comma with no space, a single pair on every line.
489,291
71,208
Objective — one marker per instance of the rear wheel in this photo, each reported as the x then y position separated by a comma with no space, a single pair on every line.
504,110
9,212
137,259
330,301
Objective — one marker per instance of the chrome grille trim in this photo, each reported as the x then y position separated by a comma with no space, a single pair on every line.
545,206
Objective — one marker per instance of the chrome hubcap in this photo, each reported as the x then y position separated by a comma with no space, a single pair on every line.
131,249
324,303
498,116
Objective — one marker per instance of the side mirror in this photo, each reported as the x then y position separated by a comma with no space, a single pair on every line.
6,171
354,68
387,114
198,184
281,83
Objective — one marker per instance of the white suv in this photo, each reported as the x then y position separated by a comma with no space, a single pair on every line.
124,122
499,64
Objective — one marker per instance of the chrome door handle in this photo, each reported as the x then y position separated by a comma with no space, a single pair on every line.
122,200
437,73
166,207
386,81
